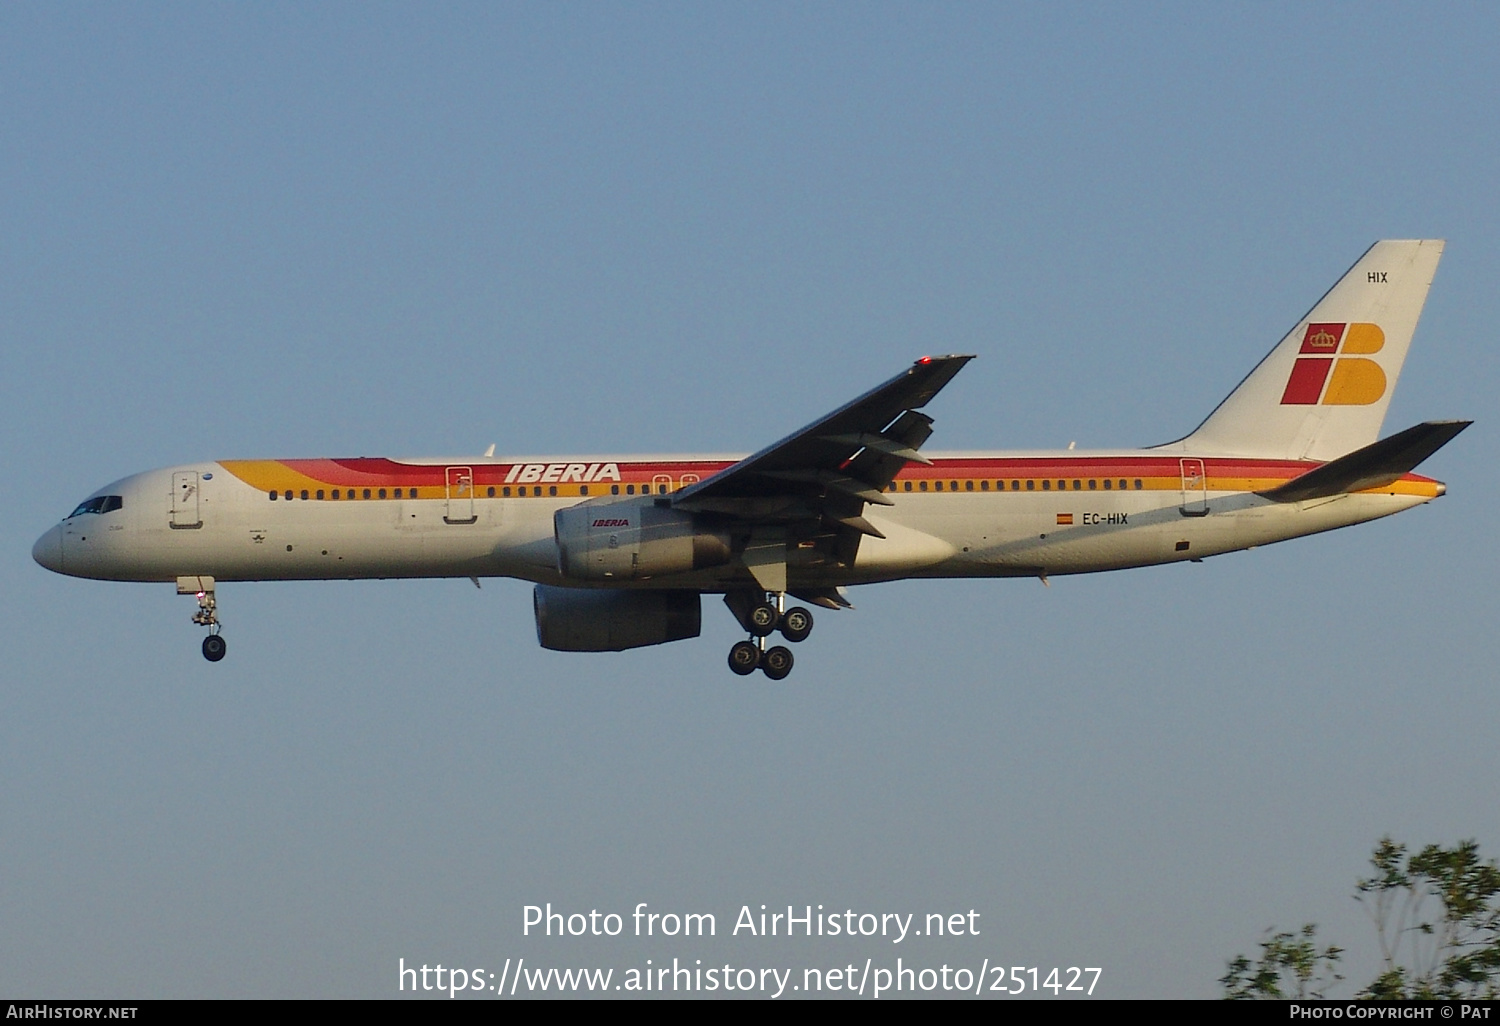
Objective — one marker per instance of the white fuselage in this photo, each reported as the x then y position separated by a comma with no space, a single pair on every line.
991,518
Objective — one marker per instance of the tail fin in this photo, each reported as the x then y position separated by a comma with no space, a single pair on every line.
1323,391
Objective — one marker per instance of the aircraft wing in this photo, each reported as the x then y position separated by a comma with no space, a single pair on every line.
827,471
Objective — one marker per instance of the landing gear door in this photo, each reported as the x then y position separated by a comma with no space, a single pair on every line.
185,499
460,495
1194,489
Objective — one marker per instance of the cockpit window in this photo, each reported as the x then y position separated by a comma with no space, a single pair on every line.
98,504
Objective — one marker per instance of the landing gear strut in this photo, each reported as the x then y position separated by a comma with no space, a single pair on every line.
762,615
207,615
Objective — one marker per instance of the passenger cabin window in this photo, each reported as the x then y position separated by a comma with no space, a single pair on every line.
1077,484
1093,484
953,486
1046,486
289,495
922,485
273,496
367,493
1030,486
1137,484
104,504
937,486
1107,483
984,486
614,489
552,489
304,495
505,491
382,493
630,489
335,493
320,495
908,486
1015,486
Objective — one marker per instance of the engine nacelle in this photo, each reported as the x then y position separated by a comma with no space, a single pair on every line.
585,620
628,540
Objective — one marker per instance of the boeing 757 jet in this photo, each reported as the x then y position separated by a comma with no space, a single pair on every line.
622,548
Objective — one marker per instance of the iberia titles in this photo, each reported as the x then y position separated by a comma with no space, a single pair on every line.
549,473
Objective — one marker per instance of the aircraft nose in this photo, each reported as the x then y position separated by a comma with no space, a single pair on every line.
48,550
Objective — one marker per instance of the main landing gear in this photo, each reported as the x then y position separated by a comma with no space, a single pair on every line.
762,616
214,646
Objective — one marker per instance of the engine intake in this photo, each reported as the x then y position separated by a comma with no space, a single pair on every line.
585,620
629,540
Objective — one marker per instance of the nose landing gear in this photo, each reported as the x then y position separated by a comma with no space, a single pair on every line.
202,588
762,615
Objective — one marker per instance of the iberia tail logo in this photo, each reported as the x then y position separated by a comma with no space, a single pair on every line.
1339,349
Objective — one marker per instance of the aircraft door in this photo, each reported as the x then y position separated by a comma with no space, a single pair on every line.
185,499
460,495
1194,489
661,483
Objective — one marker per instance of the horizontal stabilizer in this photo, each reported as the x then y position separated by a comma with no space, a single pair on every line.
1373,466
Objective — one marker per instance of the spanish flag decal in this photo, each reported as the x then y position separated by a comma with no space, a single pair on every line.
1065,519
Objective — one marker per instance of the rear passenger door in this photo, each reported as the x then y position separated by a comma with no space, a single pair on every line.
459,484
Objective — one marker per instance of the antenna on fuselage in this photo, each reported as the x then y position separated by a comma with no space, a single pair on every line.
491,451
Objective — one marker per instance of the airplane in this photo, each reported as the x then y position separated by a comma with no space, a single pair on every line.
621,549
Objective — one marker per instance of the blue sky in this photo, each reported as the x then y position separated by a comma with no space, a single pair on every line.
401,230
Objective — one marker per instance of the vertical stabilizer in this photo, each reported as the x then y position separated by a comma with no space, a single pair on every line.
1323,391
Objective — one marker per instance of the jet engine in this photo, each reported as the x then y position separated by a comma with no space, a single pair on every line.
585,620
628,540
